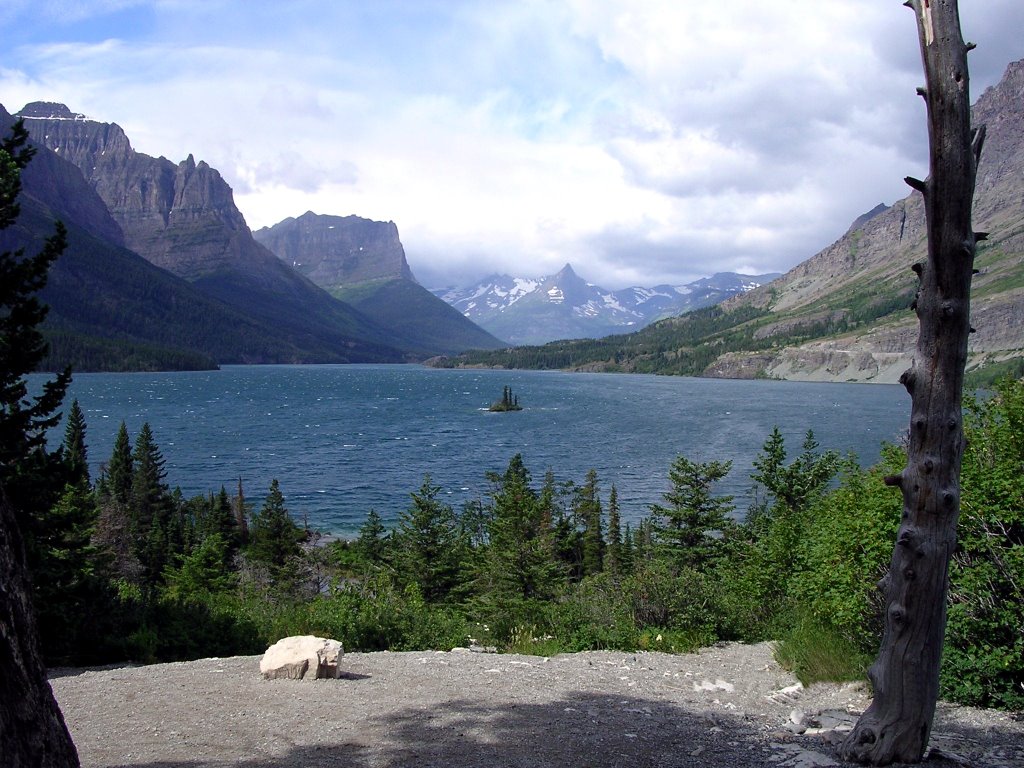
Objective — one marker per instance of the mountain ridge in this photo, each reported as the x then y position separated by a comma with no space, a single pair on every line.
844,313
362,263
565,305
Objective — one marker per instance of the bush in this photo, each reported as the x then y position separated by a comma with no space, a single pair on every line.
983,660
847,549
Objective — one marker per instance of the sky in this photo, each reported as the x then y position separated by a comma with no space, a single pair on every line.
642,141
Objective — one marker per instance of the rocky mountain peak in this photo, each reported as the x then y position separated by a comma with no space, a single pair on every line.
565,272
180,217
338,251
864,218
50,110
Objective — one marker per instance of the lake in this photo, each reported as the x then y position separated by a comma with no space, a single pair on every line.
346,439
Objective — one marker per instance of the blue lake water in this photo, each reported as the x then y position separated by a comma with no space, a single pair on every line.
344,439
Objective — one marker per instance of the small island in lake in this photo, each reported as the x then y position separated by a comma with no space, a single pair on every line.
508,402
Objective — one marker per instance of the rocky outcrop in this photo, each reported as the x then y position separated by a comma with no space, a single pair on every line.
362,262
338,251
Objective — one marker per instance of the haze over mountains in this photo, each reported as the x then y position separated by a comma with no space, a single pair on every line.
565,306
844,314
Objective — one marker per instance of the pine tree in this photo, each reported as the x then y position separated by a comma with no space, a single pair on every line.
241,516
32,730
202,572
274,537
589,513
27,470
370,545
117,479
521,554
428,545
686,528
790,488
222,520
628,552
65,583
76,455
613,553
150,506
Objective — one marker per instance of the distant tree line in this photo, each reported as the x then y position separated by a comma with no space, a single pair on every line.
686,345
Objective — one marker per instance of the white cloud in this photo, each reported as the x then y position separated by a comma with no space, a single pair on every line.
643,140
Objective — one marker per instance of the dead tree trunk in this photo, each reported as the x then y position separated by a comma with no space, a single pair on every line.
905,675
32,729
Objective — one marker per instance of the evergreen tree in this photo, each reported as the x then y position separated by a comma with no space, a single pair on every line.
32,730
274,537
241,516
613,553
428,545
687,526
792,486
201,573
222,519
521,553
150,507
371,544
628,552
76,455
117,480
589,513
65,583
27,471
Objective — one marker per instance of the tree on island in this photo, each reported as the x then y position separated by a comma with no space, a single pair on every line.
32,729
508,402
905,676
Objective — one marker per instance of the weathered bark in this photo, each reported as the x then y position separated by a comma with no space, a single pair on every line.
905,676
32,730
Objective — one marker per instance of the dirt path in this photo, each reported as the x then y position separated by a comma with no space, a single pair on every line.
728,705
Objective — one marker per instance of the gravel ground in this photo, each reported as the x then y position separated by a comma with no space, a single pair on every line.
727,705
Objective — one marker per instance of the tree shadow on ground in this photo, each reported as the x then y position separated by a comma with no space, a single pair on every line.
584,730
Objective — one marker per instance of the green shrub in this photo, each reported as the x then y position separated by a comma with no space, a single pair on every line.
983,661
847,548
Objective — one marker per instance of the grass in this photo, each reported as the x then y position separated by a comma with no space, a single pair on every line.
816,653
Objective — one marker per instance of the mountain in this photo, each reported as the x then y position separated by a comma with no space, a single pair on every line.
338,251
362,263
182,218
111,309
844,314
565,306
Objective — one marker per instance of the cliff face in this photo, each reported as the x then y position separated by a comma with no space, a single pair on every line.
338,251
362,262
180,217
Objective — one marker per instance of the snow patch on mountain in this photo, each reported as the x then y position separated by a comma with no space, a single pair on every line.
564,305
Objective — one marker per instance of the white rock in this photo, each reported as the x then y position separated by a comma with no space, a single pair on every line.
302,656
